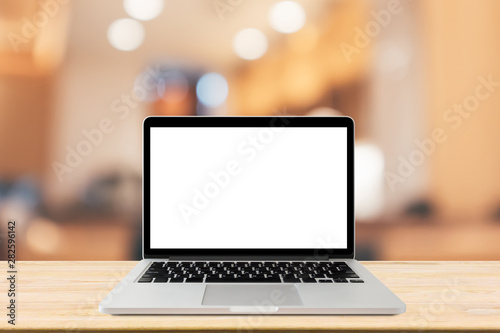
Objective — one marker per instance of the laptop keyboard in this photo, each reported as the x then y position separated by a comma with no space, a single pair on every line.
249,272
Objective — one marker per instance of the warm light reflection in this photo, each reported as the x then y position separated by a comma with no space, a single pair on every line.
305,41
250,44
126,34
144,10
287,17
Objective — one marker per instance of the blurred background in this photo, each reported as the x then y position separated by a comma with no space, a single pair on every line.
420,78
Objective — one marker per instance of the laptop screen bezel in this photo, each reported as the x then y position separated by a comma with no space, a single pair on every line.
232,121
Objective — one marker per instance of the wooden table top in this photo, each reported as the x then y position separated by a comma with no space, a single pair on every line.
440,296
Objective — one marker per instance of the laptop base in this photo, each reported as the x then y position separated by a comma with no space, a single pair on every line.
370,297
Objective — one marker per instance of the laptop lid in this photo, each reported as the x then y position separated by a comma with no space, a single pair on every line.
248,187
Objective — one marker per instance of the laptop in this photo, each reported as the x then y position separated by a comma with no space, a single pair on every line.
249,215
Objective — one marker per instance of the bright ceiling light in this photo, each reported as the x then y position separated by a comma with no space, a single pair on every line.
144,10
287,17
250,44
212,90
126,34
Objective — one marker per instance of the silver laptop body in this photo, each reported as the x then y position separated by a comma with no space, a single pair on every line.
249,215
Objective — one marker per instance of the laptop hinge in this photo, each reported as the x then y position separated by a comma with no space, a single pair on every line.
244,258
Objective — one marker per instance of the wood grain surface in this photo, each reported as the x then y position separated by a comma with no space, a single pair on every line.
440,296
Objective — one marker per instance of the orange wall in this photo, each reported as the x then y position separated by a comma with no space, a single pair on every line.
25,115
462,40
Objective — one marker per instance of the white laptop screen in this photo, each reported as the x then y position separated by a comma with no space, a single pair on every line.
248,188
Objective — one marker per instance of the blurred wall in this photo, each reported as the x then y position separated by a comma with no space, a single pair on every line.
463,46
416,90
395,115
25,121
93,90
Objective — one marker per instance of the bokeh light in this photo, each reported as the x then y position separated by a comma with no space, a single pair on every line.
174,87
212,90
126,34
144,10
287,17
250,44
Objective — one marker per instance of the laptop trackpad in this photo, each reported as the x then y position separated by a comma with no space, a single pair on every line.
266,296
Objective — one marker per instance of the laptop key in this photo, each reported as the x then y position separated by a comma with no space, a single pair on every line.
266,280
350,275
177,279
291,280
319,275
250,272
342,275
356,281
194,279
222,280
242,280
162,275
308,280
155,269
145,280
161,280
